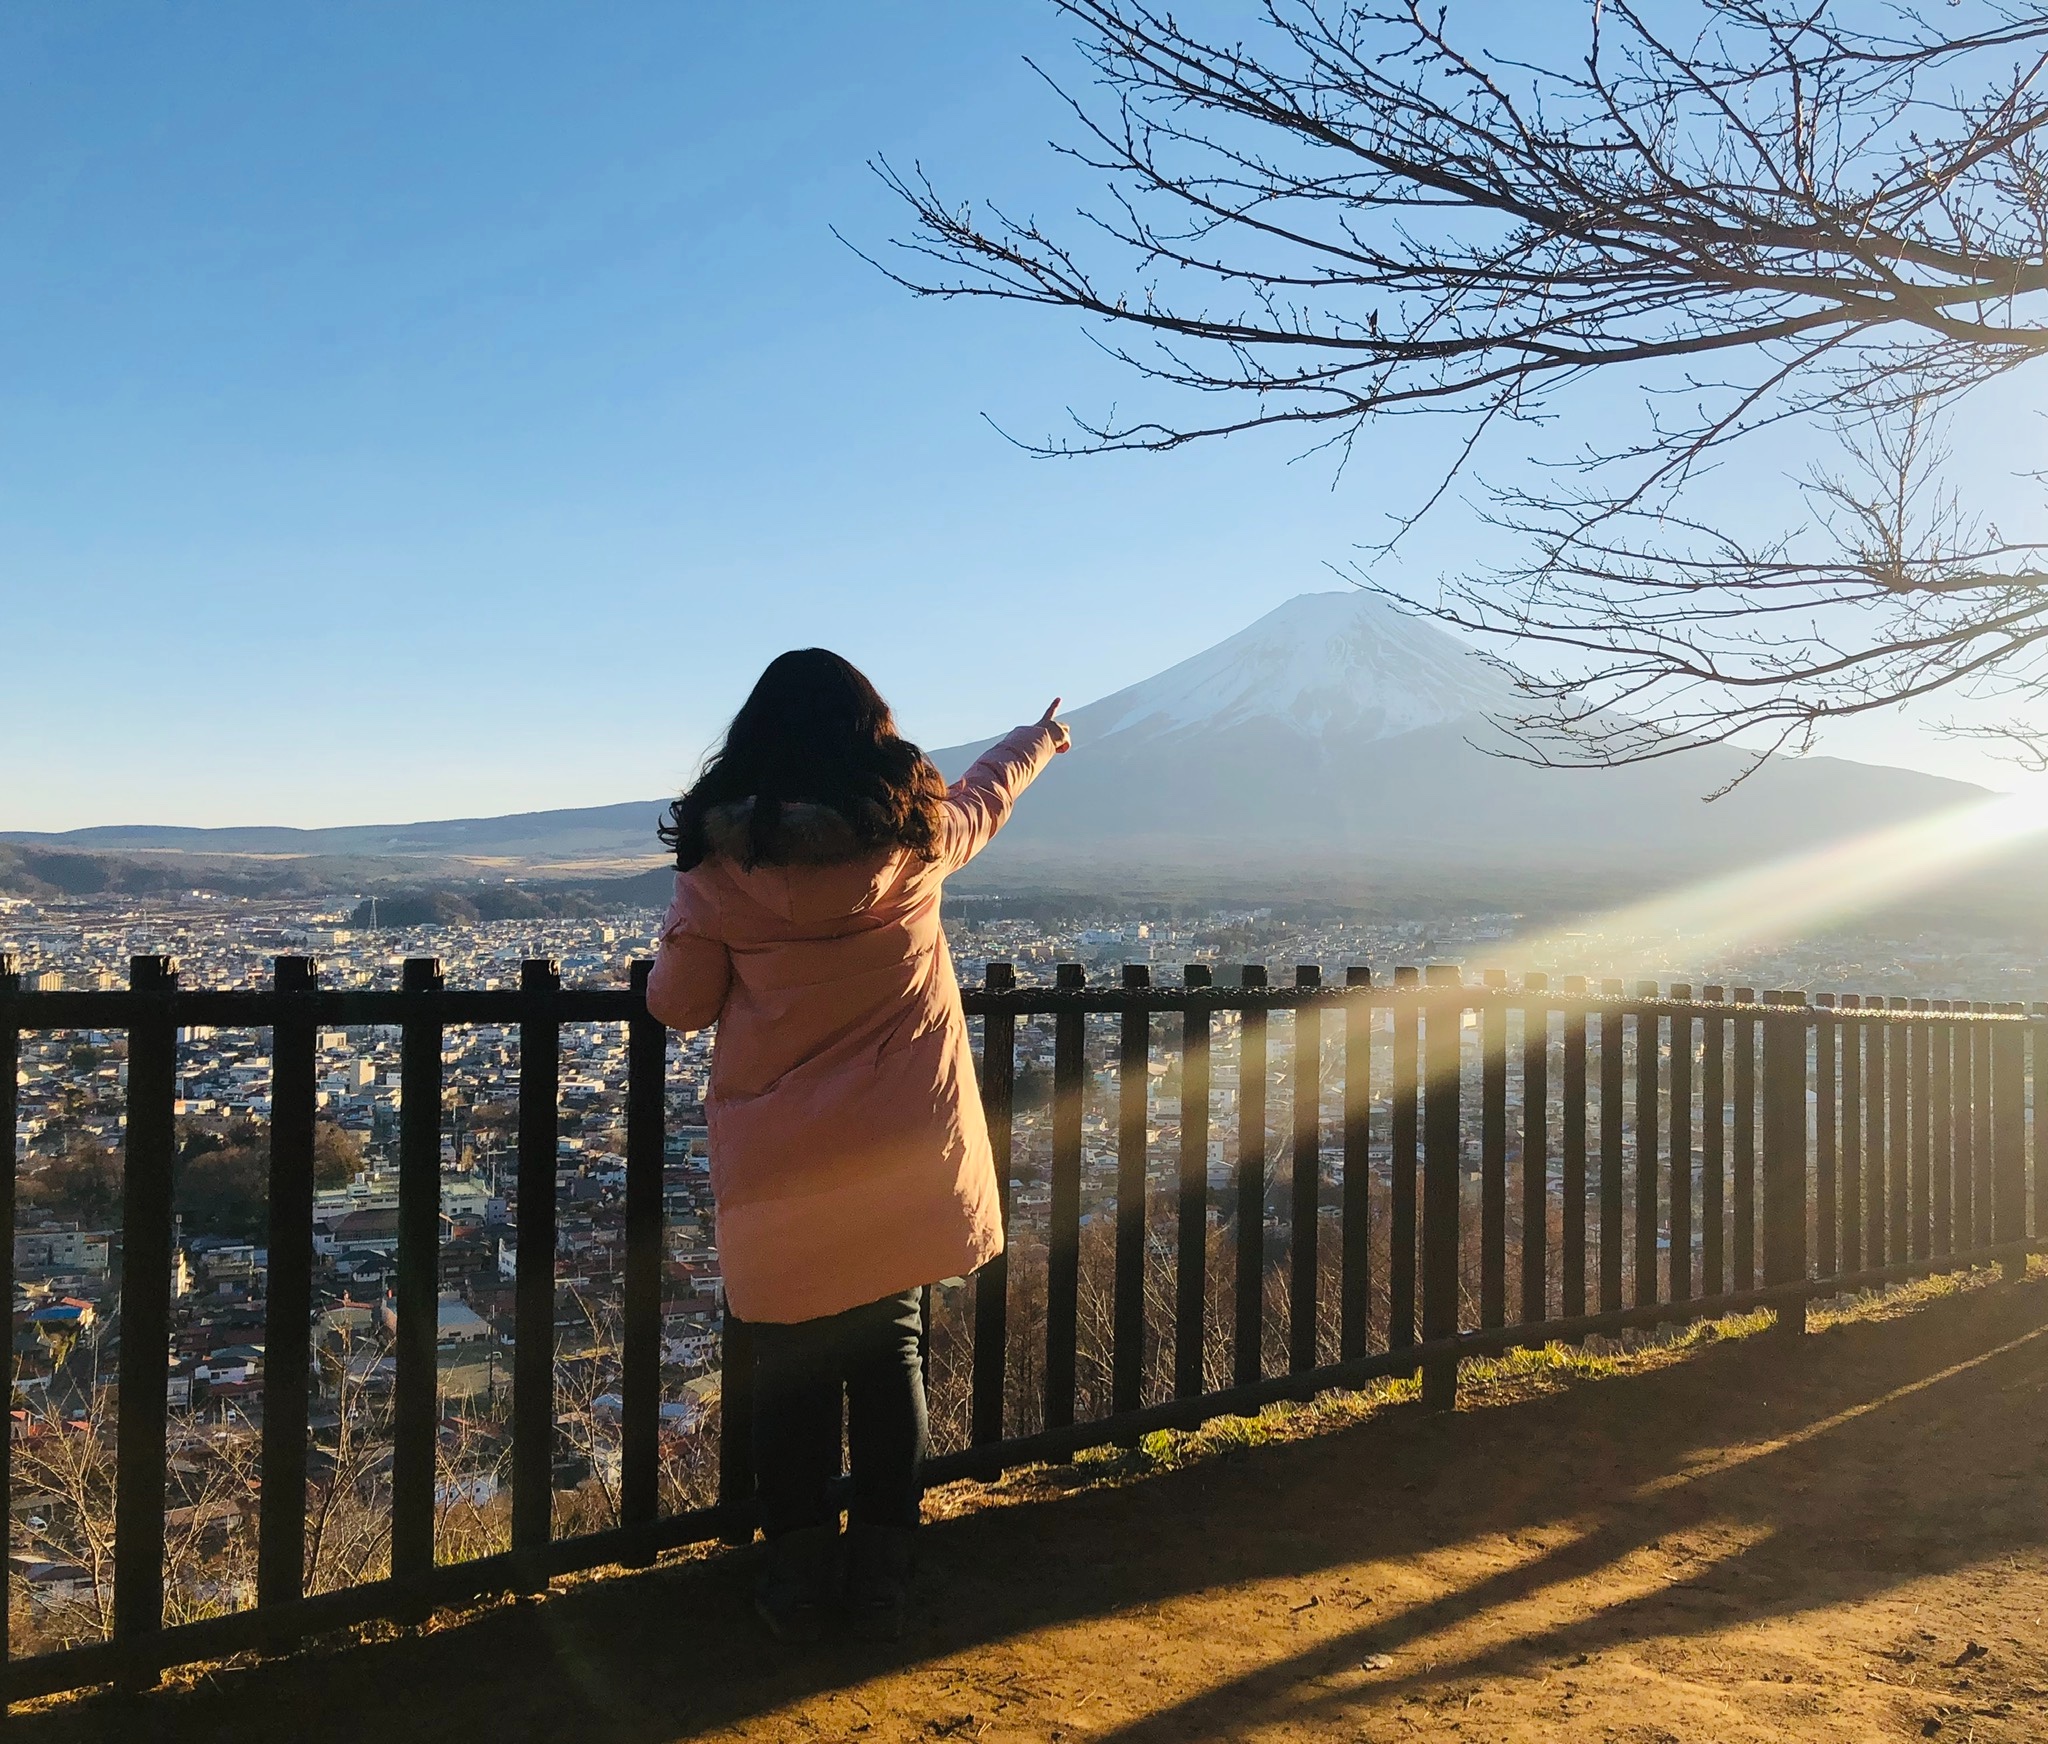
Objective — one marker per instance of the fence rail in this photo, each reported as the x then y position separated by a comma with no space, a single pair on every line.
1674,1156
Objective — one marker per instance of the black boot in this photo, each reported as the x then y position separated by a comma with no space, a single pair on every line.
878,1580
795,1591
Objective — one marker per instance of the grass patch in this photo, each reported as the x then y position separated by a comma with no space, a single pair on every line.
1483,1383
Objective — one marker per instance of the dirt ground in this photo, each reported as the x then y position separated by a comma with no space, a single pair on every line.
1843,1536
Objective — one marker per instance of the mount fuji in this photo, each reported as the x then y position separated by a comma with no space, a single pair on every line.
1337,730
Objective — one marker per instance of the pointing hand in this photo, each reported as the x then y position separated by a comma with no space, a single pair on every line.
1061,738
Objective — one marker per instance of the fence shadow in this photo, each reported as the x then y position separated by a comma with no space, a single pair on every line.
1813,1457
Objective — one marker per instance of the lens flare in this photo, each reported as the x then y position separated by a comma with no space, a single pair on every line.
1770,901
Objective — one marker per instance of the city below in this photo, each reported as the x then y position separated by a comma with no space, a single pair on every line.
67,1258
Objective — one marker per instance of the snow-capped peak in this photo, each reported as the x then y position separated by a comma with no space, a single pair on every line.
1323,664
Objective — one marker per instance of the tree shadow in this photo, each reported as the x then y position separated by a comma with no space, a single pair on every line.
1835,1466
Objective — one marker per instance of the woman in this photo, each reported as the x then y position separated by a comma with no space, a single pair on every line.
849,1160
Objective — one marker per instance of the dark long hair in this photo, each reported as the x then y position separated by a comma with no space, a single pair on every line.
815,731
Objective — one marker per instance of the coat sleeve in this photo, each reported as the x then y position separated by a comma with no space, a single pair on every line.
978,804
693,969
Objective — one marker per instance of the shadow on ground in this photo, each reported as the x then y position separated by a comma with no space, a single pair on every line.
1770,1476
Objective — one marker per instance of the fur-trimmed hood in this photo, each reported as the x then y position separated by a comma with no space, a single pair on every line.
810,834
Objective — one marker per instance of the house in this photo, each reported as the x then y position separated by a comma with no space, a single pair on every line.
457,1323
48,1582
62,1250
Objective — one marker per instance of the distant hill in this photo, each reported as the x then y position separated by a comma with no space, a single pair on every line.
1332,742
583,833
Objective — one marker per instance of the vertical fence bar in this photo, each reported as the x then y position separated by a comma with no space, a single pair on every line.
1063,1241
1963,1071
1983,1144
2009,1136
640,1354
1742,1271
146,1233
1784,1182
1920,1134
1611,1092
1134,1065
10,1121
1190,1282
416,1410
1572,1182
2037,1085
1443,1048
1535,1150
1941,1119
1251,1183
1713,1147
1355,1284
735,1426
1852,1138
1493,1151
1406,1014
1680,1148
1826,1145
1876,1084
1648,1041
533,1306
1899,1141
992,1282
288,1308
1305,1197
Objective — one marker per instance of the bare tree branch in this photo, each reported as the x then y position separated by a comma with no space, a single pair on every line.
1362,216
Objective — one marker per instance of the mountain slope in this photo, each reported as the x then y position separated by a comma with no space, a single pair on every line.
1337,728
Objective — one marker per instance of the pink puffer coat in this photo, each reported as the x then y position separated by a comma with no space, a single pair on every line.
849,1158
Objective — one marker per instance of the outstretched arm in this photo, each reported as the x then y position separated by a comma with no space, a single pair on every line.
692,970
978,804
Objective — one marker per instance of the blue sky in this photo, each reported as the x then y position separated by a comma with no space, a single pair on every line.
425,411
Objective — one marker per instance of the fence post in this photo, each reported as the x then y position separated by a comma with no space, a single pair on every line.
1678,1149
992,1282
1403,1142
1306,1180
1190,1283
1572,1164
416,1412
2037,1081
1134,1059
1713,1146
10,1116
1784,1158
533,1305
1535,1147
1355,1287
287,1347
1063,1236
640,1335
1649,1040
1742,1194
1442,1048
1611,1120
1251,1184
146,1235
1493,1148
2009,1138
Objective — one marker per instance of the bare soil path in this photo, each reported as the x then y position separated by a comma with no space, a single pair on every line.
1841,1537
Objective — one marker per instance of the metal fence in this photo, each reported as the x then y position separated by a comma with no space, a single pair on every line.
1673,1156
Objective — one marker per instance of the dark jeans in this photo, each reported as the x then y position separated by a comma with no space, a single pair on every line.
874,1355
